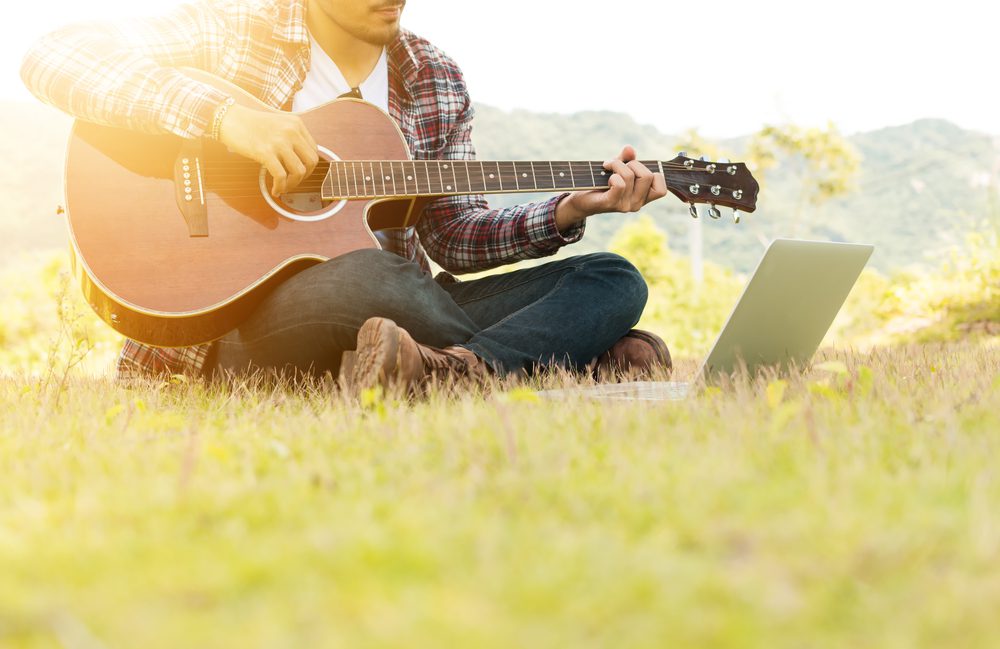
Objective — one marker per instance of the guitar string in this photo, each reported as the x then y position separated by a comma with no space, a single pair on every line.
725,193
351,174
486,187
251,166
317,182
306,187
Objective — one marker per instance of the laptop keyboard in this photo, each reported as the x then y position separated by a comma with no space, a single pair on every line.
634,391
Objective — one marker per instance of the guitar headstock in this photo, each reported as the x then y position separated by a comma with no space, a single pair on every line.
723,183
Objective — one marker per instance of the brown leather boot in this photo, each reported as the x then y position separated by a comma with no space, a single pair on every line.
388,356
637,354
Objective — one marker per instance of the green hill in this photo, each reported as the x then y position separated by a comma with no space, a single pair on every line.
921,186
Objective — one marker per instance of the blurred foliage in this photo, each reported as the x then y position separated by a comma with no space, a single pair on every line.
823,161
959,299
46,327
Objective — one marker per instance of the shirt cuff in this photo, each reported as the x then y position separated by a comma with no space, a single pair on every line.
190,116
543,234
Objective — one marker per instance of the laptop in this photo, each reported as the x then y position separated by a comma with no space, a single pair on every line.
779,321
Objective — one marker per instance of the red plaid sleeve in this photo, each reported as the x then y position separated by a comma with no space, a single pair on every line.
124,73
463,235
142,361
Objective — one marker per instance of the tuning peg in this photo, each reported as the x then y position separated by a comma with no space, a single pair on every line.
736,216
682,154
714,212
693,211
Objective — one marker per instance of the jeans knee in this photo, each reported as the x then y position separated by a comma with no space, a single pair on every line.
626,287
368,262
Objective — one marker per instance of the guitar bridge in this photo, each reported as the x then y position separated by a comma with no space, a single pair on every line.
189,181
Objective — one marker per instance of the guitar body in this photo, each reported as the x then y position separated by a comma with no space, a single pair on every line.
175,264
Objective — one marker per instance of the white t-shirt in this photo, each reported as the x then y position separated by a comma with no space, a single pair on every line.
324,82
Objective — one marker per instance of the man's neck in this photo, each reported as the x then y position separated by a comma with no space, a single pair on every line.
354,57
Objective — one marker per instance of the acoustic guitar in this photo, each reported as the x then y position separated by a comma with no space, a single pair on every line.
175,241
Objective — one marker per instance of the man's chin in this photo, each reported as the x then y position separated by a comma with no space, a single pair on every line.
386,37
380,36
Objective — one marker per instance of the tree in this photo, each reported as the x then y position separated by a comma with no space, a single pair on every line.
824,162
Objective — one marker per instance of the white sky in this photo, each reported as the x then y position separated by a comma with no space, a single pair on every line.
725,66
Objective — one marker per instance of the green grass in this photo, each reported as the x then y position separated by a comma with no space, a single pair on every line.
853,505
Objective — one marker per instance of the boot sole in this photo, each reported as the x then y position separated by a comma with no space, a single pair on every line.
375,360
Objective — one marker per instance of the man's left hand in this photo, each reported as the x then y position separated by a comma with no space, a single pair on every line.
631,186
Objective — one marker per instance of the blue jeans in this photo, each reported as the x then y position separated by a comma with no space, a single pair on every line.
564,313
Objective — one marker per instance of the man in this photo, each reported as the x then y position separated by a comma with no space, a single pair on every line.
298,54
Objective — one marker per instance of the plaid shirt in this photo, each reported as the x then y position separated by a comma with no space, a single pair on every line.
125,74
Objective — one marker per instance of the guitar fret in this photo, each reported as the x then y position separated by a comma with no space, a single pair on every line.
533,178
468,176
482,178
559,175
543,175
381,176
593,181
398,174
427,172
440,177
507,175
411,176
374,177
572,177
449,166
454,176
524,175
581,174
492,181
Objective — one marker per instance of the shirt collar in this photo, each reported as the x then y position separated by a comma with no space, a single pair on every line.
403,62
290,26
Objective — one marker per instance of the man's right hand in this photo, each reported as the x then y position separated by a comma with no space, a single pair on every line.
277,140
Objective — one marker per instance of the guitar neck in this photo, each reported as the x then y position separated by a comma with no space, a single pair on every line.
355,179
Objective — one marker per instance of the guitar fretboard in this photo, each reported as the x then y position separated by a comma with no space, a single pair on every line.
349,179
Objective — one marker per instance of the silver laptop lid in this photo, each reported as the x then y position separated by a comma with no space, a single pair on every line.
788,305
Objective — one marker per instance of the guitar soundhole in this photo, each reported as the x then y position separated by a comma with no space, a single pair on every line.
305,203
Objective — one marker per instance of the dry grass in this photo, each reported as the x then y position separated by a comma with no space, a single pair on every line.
852,504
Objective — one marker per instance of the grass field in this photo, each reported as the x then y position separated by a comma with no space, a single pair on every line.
853,505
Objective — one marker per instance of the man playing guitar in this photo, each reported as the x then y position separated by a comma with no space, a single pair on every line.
405,325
